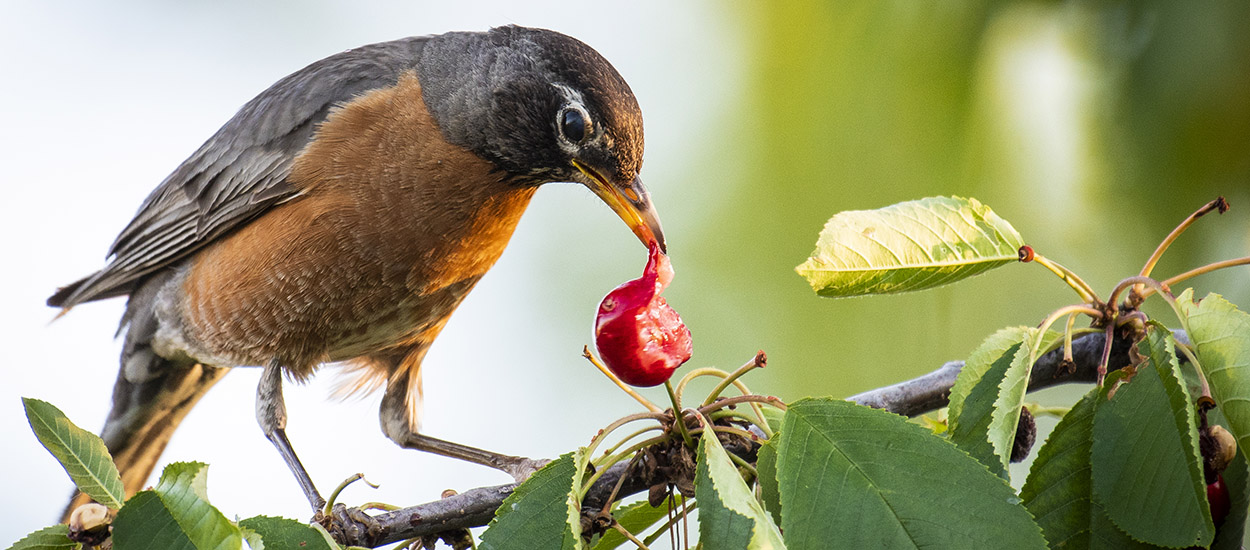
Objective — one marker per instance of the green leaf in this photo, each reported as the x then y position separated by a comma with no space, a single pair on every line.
770,493
1147,473
279,533
1059,492
175,515
989,393
144,523
543,512
908,246
1221,334
979,362
1005,415
80,452
871,479
976,390
729,515
48,538
636,518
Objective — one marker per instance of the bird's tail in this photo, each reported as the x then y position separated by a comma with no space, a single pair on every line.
150,398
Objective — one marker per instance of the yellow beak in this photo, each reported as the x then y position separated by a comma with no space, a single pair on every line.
631,202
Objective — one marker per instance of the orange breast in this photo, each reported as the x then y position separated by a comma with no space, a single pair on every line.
393,228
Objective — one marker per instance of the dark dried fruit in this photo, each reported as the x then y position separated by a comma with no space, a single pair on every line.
639,337
1026,435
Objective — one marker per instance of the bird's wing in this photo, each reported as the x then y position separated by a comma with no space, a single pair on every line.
242,170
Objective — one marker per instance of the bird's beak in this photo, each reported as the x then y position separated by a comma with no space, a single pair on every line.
631,202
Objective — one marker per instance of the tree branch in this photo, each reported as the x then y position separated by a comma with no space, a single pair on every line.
476,507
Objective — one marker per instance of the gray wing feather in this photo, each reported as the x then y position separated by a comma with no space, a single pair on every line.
241,171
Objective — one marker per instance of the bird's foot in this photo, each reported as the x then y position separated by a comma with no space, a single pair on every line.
519,467
354,527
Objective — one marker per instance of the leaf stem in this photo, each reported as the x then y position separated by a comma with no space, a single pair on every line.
637,397
1079,285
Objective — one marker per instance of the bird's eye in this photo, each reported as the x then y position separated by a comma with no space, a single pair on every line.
573,125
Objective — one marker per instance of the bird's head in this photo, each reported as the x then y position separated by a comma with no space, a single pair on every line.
543,107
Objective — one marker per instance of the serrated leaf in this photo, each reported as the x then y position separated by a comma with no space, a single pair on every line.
636,518
175,515
870,479
729,516
542,512
1147,472
144,523
975,391
278,533
980,361
1005,415
989,393
55,537
1221,334
1059,492
908,246
83,454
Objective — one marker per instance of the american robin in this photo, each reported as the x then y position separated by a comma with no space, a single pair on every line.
343,214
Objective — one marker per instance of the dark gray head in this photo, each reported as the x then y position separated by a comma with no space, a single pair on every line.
543,107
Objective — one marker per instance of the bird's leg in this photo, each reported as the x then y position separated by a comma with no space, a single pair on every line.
399,423
271,414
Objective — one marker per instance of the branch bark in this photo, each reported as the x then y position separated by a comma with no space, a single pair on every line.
476,507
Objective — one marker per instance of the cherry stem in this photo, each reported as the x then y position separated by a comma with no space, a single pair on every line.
1067,338
603,434
1218,204
727,401
607,505
601,466
1167,283
1079,285
350,480
637,397
686,507
679,415
1108,334
628,438
709,371
625,533
756,362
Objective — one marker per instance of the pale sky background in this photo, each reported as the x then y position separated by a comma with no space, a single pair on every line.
102,100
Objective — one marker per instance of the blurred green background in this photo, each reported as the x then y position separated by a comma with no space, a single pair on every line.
1094,127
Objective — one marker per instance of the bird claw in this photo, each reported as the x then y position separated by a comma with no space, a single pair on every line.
354,527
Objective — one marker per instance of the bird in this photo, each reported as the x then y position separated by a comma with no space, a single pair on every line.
342,215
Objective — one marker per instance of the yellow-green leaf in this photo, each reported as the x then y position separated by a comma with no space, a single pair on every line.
908,246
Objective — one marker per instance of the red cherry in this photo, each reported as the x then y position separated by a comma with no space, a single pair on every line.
639,337
1217,496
